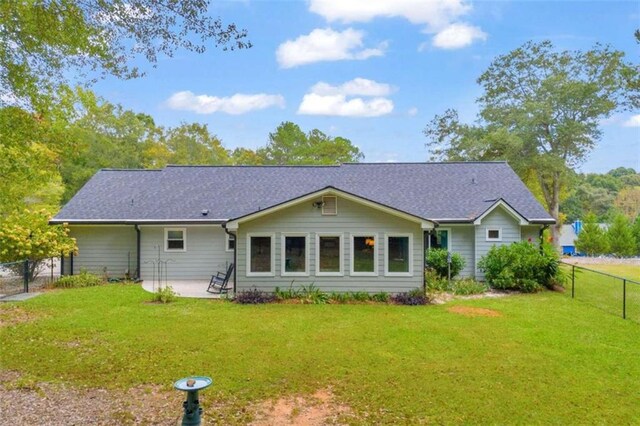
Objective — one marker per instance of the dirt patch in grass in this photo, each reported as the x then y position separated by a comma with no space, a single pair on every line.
12,315
469,311
317,409
57,404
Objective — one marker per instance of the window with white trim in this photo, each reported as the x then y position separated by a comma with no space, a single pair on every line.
295,255
230,242
364,254
329,254
175,239
261,251
494,234
399,252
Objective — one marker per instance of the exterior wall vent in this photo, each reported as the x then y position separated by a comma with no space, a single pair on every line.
329,205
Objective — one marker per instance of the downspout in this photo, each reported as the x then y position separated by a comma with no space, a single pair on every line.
137,227
235,255
70,263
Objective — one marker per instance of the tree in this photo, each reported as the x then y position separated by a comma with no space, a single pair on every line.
246,157
540,109
26,234
290,145
29,154
636,234
628,202
42,40
189,144
592,239
620,237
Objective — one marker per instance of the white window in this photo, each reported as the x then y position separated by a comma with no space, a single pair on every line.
364,254
295,255
175,239
329,205
230,242
261,259
494,234
399,255
329,255
440,238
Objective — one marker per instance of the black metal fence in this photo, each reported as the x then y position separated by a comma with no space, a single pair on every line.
618,295
24,277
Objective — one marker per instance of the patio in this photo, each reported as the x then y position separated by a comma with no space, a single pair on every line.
187,288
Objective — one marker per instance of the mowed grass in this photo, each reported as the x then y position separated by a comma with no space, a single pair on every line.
546,359
606,290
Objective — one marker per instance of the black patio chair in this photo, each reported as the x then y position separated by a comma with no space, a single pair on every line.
220,281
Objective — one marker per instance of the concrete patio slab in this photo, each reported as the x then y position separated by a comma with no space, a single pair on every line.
187,288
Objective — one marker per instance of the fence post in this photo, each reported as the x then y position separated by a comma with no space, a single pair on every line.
573,281
624,298
26,276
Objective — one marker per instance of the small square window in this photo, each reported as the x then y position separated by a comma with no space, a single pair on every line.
494,234
175,239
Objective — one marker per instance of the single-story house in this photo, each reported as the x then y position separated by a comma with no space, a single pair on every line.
349,227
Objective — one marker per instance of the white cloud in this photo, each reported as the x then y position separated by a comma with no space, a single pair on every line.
440,17
326,45
412,112
325,99
633,121
236,104
435,14
355,87
458,35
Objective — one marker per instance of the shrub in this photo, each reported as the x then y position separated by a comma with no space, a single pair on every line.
468,286
360,296
437,261
165,294
412,298
435,283
520,266
341,297
290,293
381,297
83,279
254,297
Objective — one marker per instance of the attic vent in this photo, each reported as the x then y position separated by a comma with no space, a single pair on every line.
329,205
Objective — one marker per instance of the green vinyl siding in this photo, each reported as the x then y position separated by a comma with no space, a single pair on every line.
104,249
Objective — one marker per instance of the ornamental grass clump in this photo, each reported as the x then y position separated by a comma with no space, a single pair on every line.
83,279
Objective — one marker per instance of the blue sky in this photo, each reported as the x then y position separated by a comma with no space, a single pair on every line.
374,72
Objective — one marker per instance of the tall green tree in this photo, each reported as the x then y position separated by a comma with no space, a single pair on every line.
620,237
636,234
540,109
592,240
290,145
190,144
42,40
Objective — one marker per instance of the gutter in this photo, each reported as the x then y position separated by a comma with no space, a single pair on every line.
235,255
55,221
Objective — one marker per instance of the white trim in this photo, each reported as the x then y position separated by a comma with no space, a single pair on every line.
386,255
226,242
283,256
340,273
271,273
521,220
493,228
232,225
166,240
376,259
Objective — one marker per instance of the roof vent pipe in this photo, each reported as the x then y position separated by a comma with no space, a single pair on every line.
205,212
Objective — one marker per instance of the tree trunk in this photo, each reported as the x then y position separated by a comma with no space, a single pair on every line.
554,206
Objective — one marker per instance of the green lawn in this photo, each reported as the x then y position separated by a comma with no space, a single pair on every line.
546,359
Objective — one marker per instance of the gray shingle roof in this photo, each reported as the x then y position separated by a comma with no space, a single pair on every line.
435,191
